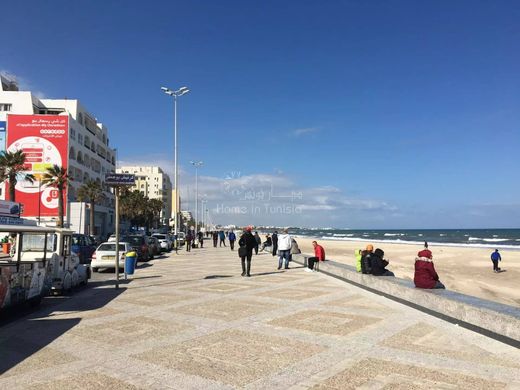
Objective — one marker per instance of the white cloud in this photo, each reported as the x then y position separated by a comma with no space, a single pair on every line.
304,131
23,83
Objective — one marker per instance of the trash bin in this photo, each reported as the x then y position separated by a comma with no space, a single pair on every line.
130,261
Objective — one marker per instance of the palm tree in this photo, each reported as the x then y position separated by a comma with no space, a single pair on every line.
155,207
12,168
58,178
92,192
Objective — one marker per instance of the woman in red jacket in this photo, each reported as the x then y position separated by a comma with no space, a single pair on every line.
425,275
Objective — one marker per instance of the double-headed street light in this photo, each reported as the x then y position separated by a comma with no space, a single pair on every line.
175,94
196,164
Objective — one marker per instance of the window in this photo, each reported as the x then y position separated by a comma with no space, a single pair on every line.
5,107
72,133
80,138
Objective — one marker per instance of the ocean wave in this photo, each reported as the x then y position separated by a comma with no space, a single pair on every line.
393,234
342,235
409,242
488,239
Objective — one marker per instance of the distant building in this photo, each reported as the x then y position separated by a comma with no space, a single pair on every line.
153,183
88,154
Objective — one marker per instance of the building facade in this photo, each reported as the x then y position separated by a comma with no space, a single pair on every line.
153,183
89,154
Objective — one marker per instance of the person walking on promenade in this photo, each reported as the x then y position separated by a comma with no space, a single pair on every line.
222,237
366,263
378,264
215,238
319,255
246,244
201,239
284,246
189,238
425,275
495,258
258,242
274,239
232,238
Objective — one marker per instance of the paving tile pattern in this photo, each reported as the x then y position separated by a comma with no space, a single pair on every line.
190,321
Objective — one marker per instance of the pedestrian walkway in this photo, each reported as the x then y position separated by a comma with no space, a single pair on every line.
190,321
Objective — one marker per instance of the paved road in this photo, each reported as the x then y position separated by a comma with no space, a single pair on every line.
189,321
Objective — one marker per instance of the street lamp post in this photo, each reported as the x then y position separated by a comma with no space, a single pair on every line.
196,164
175,94
202,202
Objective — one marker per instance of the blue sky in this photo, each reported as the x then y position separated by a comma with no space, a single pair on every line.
377,114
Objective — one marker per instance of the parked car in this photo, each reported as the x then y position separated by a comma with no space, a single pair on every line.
164,241
84,246
105,255
139,244
154,246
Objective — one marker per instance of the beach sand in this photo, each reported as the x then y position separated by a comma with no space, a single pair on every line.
465,270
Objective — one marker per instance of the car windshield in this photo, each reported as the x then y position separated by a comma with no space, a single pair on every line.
109,247
160,236
134,240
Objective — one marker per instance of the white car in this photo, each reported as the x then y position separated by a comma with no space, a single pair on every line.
164,241
105,255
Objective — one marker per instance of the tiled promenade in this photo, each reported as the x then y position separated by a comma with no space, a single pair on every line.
190,321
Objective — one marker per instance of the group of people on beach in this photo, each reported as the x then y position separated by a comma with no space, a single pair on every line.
370,261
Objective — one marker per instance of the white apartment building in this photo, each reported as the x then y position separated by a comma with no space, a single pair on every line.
153,183
90,154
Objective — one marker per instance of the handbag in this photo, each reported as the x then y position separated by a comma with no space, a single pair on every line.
242,251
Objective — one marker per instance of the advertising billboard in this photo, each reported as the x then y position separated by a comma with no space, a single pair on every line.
44,140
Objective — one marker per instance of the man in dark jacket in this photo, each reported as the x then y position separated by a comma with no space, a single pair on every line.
232,238
247,243
258,242
366,263
379,264
274,238
215,239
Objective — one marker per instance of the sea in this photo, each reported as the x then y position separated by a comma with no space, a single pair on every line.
483,238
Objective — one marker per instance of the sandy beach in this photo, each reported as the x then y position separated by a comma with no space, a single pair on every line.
465,270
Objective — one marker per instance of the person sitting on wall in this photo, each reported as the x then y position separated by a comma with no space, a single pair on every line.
319,255
366,264
379,264
425,275
358,253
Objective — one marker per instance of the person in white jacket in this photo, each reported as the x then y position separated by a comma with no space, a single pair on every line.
284,248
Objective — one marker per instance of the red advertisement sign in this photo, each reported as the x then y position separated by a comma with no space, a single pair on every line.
45,141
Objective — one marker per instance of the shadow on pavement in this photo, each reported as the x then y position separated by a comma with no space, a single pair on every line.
22,337
218,276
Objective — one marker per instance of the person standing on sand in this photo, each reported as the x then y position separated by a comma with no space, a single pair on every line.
232,238
425,275
284,247
215,238
274,239
495,258
246,244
